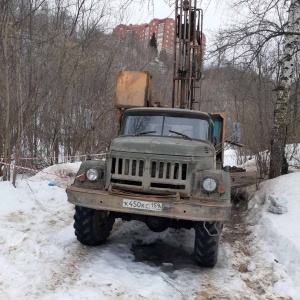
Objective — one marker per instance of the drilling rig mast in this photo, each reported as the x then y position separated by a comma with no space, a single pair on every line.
188,53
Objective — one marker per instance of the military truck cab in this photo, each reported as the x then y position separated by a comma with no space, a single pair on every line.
163,146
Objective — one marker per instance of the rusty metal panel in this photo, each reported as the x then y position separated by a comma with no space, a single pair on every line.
133,89
175,208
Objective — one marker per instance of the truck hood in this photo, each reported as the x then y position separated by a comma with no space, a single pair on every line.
161,146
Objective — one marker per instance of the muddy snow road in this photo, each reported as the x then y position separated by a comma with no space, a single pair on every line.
40,257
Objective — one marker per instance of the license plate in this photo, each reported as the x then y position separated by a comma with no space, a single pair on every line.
146,205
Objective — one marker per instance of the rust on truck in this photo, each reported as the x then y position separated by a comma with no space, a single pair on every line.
134,89
172,207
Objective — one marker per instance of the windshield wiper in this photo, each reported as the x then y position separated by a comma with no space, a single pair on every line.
145,132
182,134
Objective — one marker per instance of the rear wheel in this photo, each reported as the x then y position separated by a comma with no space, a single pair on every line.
207,239
92,227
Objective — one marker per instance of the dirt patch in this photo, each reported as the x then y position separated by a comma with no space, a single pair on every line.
236,229
168,257
237,234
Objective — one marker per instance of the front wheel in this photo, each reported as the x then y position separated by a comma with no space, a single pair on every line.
92,227
207,239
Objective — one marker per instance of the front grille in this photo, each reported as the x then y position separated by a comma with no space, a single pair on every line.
148,175
129,167
167,170
168,186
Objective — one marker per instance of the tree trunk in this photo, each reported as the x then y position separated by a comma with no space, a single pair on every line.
7,150
283,92
18,148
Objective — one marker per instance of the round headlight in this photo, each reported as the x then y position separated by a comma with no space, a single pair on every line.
92,174
209,184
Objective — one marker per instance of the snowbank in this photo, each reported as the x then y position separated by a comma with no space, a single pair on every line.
280,232
61,174
231,159
292,152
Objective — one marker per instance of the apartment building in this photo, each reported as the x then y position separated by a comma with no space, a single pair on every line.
164,30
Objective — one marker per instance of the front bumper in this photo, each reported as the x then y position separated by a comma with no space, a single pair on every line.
200,209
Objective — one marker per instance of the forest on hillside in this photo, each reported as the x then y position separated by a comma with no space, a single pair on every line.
60,63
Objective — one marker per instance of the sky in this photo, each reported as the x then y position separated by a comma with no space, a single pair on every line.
214,13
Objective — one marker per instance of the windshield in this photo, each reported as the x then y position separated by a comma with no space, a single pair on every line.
182,127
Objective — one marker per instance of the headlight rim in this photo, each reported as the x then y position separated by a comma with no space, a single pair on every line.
210,178
97,174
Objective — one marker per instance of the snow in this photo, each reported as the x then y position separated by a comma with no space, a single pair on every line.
292,152
281,231
231,159
40,257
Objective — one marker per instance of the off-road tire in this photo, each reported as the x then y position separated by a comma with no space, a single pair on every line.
206,247
92,227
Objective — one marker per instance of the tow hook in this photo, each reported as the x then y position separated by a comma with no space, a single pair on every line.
177,197
215,228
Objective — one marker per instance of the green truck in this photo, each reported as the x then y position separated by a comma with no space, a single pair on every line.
161,170
166,166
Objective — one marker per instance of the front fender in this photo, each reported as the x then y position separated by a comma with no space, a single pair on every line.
222,178
82,182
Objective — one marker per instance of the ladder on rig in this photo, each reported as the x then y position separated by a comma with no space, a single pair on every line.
188,53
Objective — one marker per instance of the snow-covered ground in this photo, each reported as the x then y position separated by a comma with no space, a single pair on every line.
40,257
279,234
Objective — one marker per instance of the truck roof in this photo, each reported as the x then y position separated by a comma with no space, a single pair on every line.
169,111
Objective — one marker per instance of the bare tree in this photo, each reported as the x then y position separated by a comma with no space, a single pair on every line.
58,59
5,43
263,28
279,135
